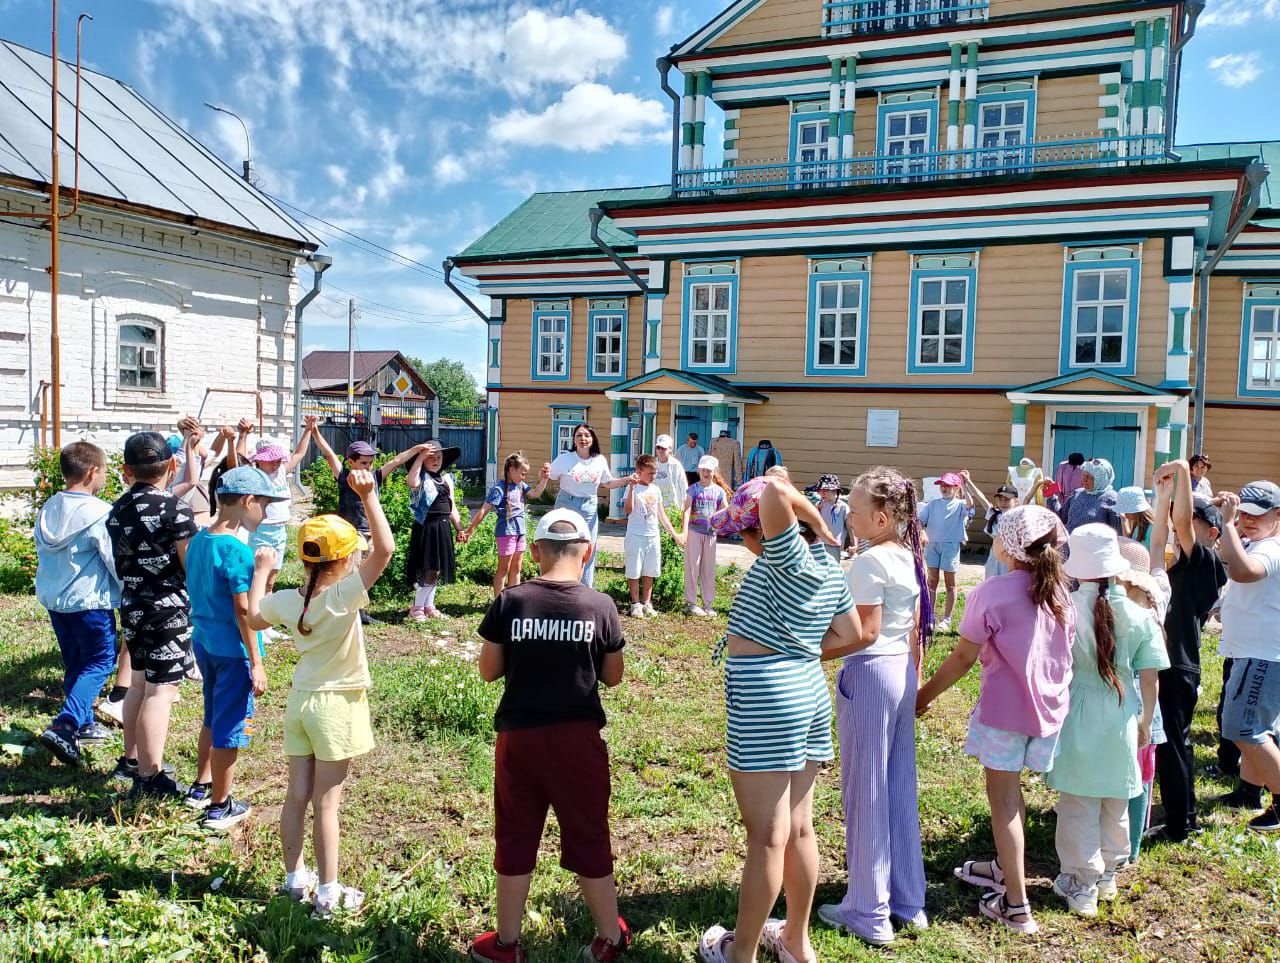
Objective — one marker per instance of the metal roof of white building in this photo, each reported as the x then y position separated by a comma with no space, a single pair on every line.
129,151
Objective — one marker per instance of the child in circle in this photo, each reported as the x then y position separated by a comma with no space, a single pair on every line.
706,496
945,519
507,500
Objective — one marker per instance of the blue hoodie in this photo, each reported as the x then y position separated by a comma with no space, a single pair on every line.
75,571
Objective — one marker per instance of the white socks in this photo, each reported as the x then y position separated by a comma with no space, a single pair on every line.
424,596
301,878
329,892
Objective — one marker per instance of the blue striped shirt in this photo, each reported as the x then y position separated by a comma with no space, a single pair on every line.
789,597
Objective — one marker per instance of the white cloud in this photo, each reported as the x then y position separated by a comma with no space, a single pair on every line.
337,174
664,20
449,169
1237,13
543,49
588,117
1237,69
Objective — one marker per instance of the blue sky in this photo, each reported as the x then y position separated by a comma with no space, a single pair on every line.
418,124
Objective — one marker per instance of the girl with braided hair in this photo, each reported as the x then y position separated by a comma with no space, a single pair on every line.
1020,627
875,713
1096,772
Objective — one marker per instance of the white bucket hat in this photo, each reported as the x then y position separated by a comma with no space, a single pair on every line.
1095,553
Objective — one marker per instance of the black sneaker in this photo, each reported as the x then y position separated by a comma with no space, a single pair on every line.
1242,797
1268,822
94,732
126,770
62,743
199,795
365,618
222,816
159,786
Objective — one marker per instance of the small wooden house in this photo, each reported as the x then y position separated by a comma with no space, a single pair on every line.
940,234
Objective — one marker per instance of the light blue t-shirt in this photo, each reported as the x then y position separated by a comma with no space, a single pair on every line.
218,567
945,519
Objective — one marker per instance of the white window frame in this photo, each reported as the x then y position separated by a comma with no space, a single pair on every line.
709,316
1003,155
545,359
148,357
898,166
813,156
841,316
614,339
1272,340
1099,305
942,307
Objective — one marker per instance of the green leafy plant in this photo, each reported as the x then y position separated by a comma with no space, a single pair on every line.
431,695
668,588
48,479
477,560
17,559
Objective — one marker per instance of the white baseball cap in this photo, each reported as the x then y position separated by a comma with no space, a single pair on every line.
580,531
664,441
709,462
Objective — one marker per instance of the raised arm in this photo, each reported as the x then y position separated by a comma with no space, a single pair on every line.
383,543
973,492
1172,484
404,457
543,476
1240,567
781,506
300,449
243,430
326,452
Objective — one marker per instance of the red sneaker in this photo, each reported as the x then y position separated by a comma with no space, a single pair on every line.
606,952
489,949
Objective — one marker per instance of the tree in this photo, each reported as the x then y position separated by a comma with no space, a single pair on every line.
453,383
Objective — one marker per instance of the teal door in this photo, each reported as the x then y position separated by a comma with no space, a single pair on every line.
1098,434
697,418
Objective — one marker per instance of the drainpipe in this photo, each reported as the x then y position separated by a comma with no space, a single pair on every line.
596,215
1256,175
664,68
449,283
319,264
1193,10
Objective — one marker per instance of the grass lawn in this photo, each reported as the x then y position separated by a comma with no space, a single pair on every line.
86,875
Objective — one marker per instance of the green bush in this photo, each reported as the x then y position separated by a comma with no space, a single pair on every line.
429,696
45,467
668,588
17,559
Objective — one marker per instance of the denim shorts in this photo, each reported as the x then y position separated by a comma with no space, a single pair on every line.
1251,706
942,555
1007,751
228,698
779,713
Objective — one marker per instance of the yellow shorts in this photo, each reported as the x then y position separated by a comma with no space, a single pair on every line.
331,726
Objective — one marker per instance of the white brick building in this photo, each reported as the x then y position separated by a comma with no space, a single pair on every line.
177,278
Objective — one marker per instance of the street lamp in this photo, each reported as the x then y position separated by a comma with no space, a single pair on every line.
248,162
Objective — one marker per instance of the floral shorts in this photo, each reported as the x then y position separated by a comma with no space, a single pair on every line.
1007,751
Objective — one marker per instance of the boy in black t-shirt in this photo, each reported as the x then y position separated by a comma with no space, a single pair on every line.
1196,577
553,640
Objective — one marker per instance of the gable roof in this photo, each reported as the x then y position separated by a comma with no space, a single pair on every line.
556,223
1093,382
717,25
1266,151
676,382
323,370
130,152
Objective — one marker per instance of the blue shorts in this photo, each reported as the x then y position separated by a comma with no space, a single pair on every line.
273,536
943,555
1251,705
779,713
228,698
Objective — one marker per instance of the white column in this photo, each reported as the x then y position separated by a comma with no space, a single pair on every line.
971,98
731,135
833,110
953,99
1138,88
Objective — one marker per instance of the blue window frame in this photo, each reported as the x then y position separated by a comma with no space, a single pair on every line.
1260,341
1100,310
709,323
1005,129
908,140
607,339
810,130
941,323
839,291
564,419
552,336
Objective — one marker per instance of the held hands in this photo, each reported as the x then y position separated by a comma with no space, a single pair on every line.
922,705
1229,502
361,483
245,426
227,432
544,473
1144,734
464,536
312,422
259,675
264,558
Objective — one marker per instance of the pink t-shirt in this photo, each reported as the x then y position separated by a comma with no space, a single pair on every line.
1025,654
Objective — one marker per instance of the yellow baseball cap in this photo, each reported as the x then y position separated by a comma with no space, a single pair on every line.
326,538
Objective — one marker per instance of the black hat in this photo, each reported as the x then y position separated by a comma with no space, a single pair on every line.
1208,513
146,448
1007,490
1075,458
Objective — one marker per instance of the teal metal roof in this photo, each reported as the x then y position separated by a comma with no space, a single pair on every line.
710,384
1266,151
556,223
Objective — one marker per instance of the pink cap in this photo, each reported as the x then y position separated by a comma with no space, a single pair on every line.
267,451
951,479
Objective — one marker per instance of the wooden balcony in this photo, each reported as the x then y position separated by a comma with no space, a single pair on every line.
846,18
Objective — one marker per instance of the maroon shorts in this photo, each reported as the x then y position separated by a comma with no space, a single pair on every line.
564,767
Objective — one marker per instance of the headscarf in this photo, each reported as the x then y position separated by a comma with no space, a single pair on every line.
1025,525
1103,475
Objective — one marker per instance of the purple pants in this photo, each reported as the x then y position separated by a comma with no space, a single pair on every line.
876,720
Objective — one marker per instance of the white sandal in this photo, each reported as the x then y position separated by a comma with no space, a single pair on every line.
771,937
994,906
995,882
712,944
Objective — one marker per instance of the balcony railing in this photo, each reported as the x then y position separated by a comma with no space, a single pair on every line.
843,18
1097,151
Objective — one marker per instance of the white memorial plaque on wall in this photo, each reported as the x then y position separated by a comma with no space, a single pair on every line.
882,428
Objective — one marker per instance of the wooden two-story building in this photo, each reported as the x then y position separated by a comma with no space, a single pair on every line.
939,234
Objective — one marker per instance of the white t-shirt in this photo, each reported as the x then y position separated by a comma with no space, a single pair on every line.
885,575
278,513
670,479
1251,610
580,477
646,503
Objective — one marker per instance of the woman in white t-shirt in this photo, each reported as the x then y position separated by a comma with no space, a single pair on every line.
875,714
581,472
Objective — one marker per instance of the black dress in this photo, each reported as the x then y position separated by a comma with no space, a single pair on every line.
431,543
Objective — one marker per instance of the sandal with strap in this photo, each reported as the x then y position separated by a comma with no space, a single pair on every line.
712,944
994,906
994,880
771,937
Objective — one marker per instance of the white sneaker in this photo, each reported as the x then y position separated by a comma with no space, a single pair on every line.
302,891
1107,888
649,609
637,610
944,625
348,899
110,712
1081,899
271,635
697,610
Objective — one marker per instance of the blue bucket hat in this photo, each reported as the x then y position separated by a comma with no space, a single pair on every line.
1132,500
247,480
